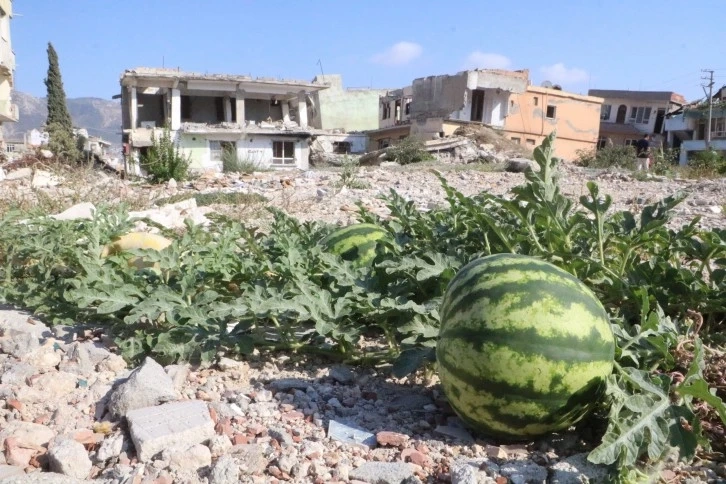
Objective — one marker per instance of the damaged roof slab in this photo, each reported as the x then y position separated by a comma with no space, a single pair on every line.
163,77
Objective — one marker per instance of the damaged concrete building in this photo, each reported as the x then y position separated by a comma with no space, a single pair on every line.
261,120
504,100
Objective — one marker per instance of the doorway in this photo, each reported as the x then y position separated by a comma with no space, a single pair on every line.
622,112
477,105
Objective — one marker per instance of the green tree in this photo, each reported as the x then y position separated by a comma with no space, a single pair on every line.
59,123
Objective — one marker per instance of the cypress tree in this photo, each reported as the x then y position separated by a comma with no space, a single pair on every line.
59,123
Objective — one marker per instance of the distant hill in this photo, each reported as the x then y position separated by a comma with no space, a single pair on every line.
101,117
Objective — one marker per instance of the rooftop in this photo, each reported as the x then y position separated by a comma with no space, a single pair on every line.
166,74
654,96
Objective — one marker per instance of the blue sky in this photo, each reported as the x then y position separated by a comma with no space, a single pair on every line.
605,44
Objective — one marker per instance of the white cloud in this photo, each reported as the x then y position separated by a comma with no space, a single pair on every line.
560,74
487,60
398,54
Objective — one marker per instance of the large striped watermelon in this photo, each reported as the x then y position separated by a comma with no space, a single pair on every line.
524,347
356,243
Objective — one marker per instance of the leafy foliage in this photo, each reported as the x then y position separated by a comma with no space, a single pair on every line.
164,161
607,157
229,288
409,150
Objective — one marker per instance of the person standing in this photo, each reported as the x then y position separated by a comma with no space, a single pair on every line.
642,152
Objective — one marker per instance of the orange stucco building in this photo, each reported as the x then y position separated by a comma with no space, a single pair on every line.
538,111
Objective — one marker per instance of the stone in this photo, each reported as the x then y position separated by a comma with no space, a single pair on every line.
383,472
43,478
219,445
47,154
455,432
46,357
413,402
17,344
154,429
393,439
342,374
350,434
111,447
44,179
58,383
79,211
287,384
17,374
250,457
225,471
171,184
27,433
522,472
7,471
17,453
178,374
182,458
68,457
519,165
148,385
577,469
19,174
228,364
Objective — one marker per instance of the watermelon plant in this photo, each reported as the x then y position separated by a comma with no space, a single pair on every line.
525,348
229,288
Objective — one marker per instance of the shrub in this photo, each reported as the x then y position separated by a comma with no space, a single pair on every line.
349,175
232,163
708,163
163,161
62,143
607,157
409,150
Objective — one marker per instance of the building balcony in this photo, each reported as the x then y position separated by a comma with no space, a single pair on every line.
8,112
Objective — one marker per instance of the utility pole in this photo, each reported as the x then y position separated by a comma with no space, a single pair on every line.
710,103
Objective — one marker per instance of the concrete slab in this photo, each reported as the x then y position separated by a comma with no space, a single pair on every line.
154,429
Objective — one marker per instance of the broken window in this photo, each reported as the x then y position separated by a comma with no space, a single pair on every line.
536,101
384,143
477,105
517,140
551,111
398,110
640,114
283,153
530,142
341,147
602,143
386,111
718,128
407,107
217,149
605,112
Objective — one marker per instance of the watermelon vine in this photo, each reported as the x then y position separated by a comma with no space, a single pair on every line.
232,289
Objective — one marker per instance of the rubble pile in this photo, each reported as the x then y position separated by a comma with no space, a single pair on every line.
71,411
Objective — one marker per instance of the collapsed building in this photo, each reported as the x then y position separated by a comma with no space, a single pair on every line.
437,106
259,120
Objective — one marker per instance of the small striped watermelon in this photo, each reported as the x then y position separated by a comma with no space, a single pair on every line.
356,243
524,347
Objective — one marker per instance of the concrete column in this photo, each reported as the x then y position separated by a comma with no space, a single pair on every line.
175,109
227,109
167,106
240,107
302,109
286,112
133,107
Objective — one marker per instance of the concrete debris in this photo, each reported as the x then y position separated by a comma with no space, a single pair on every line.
520,165
154,429
68,457
146,386
80,211
383,472
350,434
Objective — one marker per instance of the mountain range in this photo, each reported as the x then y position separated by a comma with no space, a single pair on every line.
100,117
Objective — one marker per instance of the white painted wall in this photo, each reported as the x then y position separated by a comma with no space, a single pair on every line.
258,148
495,108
